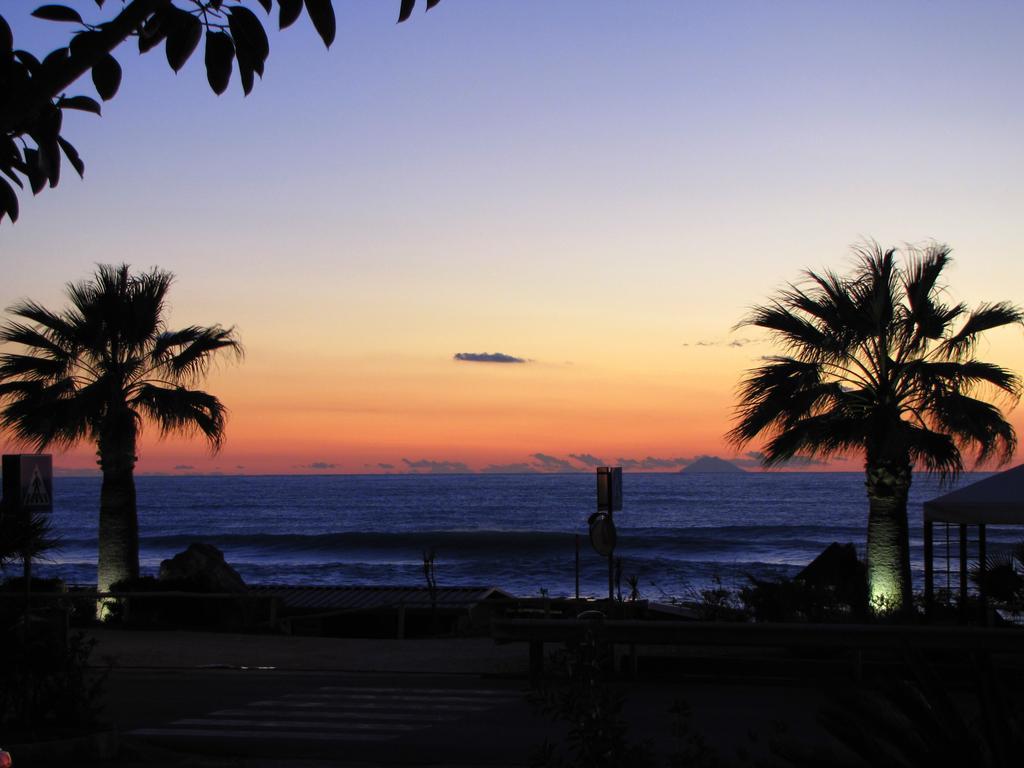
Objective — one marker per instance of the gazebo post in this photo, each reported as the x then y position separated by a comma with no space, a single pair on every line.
982,592
996,500
929,570
963,572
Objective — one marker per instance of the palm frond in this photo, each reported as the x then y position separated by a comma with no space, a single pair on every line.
54,326
874,287
927,377
936,451
83,373
167,341
821,436
145,308
766,395
31,367
976,424
998,578
795,333
41,415
927,318
870,362
984,318
35,339
183,411
22,535
188,357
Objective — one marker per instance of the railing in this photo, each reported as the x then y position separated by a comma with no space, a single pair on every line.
124,599
853,637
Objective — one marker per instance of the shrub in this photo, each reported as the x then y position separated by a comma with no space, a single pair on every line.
46,687
795,600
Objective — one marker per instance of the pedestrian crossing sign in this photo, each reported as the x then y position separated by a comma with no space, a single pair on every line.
28,482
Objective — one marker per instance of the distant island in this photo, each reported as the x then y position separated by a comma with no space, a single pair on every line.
711,464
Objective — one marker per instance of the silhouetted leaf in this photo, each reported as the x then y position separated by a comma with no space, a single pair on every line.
7,39
220,53
9,148
50,122
31,62
154,30
10,174
244,23
406,10
321,13
8,201
106,76
46,131
83,103
57,13
49,162
85,43
54,57
432,3
246,65
288,12
183,39
267,5
72,155
35,172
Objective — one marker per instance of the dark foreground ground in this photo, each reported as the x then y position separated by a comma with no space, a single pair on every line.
406,719
208,699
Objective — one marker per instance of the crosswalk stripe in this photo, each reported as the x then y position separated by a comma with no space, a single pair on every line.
342,715
481,692
416,697
394,705
338,713
360,697
299,724
265,735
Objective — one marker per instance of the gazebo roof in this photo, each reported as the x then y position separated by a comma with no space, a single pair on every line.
996,499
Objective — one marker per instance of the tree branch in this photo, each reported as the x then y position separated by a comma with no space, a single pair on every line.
57,76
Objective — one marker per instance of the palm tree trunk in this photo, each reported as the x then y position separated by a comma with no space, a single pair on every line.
119,522
888,555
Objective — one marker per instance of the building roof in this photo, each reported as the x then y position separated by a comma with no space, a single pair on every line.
996,499
360,598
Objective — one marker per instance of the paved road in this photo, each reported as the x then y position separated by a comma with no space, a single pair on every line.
414,719
339,717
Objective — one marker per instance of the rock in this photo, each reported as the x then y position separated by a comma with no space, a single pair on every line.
837,568
202,566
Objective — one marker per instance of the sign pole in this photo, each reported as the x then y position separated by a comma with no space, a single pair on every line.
611,577
26,562
577,566
609,501
27,491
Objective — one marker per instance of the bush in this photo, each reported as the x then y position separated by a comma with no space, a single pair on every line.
46,689
795,600
591,708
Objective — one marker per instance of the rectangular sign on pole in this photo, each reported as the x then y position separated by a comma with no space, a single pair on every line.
609,489
28,482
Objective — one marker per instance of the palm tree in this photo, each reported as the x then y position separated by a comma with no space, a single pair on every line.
98,371
876,363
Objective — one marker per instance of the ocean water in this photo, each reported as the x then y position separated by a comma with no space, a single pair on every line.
677,532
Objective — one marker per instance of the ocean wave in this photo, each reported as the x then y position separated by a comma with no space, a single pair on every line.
468,542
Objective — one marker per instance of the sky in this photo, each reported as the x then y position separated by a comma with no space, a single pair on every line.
599,189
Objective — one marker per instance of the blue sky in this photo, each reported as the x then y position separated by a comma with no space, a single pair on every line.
593,186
